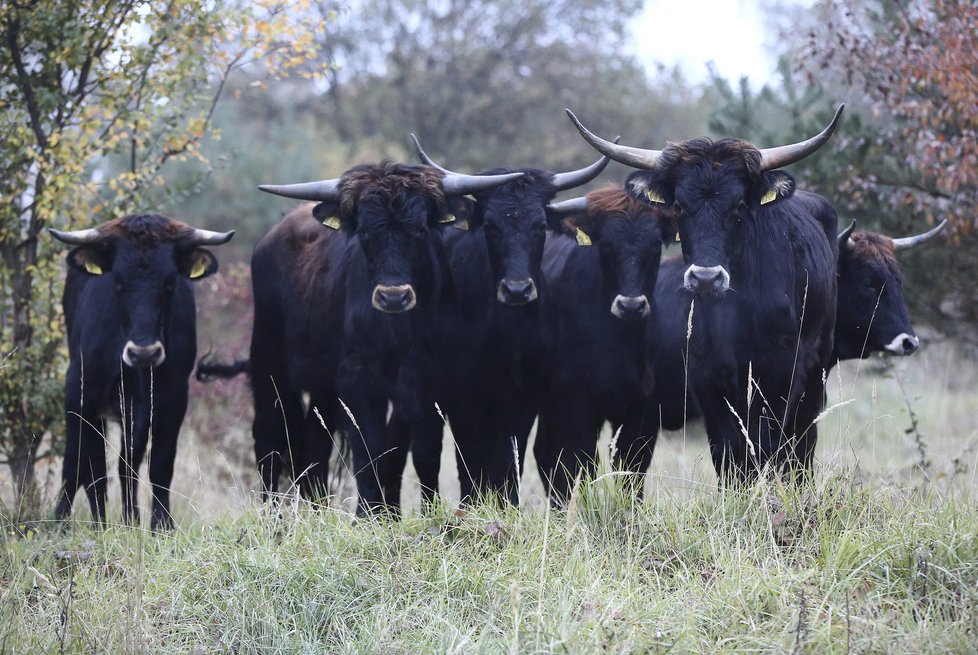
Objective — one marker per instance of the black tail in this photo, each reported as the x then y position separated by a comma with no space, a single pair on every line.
208,368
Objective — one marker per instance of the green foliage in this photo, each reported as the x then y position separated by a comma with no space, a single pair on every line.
83,84
484,84
906,155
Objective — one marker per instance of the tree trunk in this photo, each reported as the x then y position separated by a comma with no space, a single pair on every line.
20,459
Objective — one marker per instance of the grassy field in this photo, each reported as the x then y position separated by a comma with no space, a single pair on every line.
879,554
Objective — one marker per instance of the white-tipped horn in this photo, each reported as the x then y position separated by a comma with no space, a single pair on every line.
425,159
781,156
571,179
76,237
210,238
567,207
458,184
634,157
845,234
909,242
321,191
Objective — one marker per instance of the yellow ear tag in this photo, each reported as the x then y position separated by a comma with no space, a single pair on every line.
461,225
769,196
200,267
93,268
582,238
447,218
332,222
654,197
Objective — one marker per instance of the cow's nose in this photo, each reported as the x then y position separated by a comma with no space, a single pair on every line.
630,307
903,344
394,299
142,356
517,292
706,279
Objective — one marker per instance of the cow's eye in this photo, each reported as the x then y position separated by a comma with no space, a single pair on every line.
742,207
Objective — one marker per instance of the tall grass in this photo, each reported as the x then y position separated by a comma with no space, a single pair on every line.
878,554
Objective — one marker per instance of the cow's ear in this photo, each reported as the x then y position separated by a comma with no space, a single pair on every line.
668,229
328,213
461,213
581,228
644,186
90,260
197,263
775,186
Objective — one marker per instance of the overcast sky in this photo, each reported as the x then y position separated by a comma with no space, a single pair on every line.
691,33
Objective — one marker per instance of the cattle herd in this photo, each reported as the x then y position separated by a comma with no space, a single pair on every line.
402,295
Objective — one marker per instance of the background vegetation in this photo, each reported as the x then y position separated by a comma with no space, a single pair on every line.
183,107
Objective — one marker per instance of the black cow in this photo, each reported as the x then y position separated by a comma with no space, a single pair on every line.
761,265
347,294
493,370
599,312
871,315
132,341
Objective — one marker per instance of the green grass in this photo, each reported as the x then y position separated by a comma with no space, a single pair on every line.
878,555
834,567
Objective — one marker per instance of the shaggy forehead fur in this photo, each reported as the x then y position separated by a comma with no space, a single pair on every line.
146,230
613,199
388,179
870,245
722,151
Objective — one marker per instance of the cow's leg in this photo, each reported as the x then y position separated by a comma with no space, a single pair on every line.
94,468
566,447
84,460
513,440
732,457
368,442
135,438
84,466
426,444
278,421
317,446
166,429
635,445
801,454
391,467
471,451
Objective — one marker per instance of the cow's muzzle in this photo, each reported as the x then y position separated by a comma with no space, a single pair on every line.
630,308
517,292
143,356
903,344
394,300
706,280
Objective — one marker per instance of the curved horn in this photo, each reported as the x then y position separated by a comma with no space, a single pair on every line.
910,242
76,237
322,190
772,158
571,179
425,159
458,184
208,238
845,234
634,157
566,207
